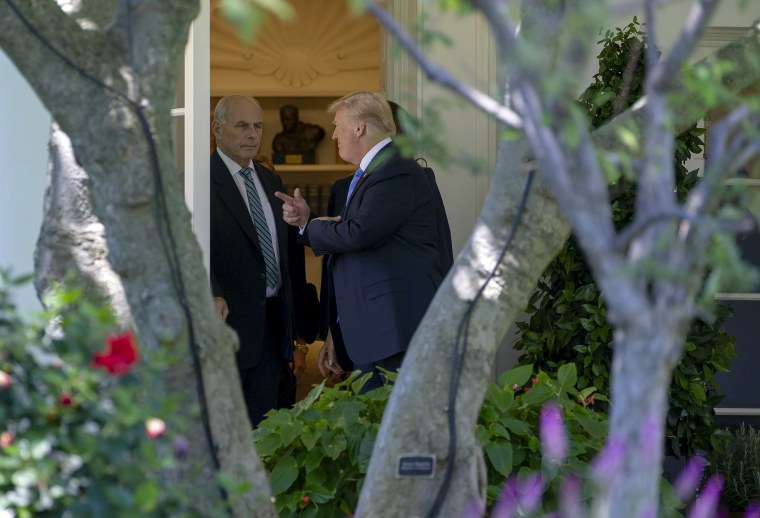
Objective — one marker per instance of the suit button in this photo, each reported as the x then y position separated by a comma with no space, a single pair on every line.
264,275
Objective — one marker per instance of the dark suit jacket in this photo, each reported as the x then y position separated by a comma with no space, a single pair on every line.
238,273
384,256
443,231
328,309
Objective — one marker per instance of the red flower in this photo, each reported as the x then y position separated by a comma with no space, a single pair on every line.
305,499
6,439
5,379
120,354
155,428
66,399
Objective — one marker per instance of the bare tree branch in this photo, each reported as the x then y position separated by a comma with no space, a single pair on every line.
480,100
693,28
725,157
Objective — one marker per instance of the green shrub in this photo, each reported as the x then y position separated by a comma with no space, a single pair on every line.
317,453
79,433
509,434
568,319
739,465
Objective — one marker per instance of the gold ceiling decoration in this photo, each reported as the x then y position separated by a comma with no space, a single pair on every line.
323,39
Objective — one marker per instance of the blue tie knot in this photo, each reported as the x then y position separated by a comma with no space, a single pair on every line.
358,174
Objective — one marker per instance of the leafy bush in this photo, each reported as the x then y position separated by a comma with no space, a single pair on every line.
317,453
568,320
739,466
508,427
79,434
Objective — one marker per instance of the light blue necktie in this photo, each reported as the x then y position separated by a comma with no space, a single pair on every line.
358,174
262,229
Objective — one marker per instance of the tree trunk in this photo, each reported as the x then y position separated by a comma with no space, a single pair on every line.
638,413
72,240
127,76
416,418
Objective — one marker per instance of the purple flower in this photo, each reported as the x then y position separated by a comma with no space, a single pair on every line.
687,480
474,509
608,463
651,433
181,447
707,502
552,433
570,497
752,511
519,497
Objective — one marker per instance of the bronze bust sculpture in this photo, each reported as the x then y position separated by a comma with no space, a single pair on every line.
297,140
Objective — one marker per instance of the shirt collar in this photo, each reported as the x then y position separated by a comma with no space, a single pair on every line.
373,152
233,166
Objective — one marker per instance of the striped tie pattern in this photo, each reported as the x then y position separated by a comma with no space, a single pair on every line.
262,229
354,181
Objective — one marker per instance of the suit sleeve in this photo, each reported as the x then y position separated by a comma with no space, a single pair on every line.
381,209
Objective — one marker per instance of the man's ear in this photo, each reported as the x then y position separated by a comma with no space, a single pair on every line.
361,128
215,127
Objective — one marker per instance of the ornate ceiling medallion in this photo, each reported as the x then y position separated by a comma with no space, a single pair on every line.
323,39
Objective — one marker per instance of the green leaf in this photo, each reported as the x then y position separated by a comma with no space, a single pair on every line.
266,445
283,475
146,496
313,459
516,426
500,456
518,376
319,494
333,444
698,392
567,375
309,438
290,433
501,398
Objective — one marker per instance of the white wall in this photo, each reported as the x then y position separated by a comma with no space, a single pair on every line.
467,132
23,165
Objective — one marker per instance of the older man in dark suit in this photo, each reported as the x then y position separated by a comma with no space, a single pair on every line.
249,253
383,250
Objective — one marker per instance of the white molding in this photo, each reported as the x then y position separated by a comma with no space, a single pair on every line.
400,76
738,296
717,37
735,411
196,110
746,182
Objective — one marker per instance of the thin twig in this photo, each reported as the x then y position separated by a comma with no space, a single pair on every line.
441,76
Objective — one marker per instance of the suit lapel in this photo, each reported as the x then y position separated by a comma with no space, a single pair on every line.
230,197
383,156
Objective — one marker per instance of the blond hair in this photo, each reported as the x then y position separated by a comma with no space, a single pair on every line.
371,109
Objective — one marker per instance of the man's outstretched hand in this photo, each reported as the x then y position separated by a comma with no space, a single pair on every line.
295,210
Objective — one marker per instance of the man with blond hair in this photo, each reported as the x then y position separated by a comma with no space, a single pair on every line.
383,254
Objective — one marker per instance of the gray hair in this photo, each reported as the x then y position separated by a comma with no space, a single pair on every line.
223,106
